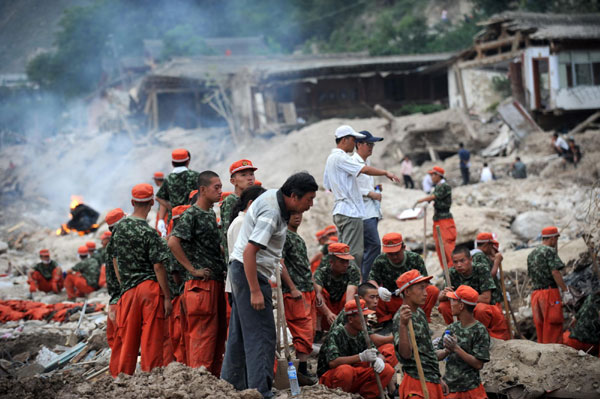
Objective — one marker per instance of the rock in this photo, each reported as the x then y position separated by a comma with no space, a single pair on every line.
3,247
529,225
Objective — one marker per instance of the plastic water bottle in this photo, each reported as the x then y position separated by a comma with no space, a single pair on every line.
294,386
447,332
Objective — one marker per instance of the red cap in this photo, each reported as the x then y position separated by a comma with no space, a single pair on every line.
550,231
178,211
496,244
90,245
257,183
320,234
340,250
350,308
192,193
180,155
242,164
332,240
437,170
159,175
114,216
484,237
330,229
465,294
392,242
409,278
142,192
44,252
106,234
83,250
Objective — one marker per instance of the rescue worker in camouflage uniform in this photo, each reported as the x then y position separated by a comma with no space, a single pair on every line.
347,363
176,188
242,177
485,253
315,261
412,286
543,268
145,300
476,276
585,334
466,347
82,279
98,254
442,201
46,275
335,283
387,267
196,244
298,297
113,217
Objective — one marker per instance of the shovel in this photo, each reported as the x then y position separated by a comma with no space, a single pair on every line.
281,380
72,339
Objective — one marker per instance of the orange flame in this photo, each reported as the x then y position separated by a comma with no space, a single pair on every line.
76,200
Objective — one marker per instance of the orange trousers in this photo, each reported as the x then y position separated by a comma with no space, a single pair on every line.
580,346
358,378
37,282
140,321
489,315
177,330
206,333
102,278
386,310
77,286
299,315
475,393
335,307
547,315
387,350
448,230
411,388
111,325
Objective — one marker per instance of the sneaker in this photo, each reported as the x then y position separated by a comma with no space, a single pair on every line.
306,379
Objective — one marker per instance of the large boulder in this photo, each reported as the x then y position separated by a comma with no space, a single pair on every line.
529,225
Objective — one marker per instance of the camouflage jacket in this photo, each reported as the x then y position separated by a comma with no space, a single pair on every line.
336,286
201,241
480,279
429,359
112,283
296,261
177,187
339,343
442,202
90,270
225,212
481,259
324,250
341,319
46,270
474,340
587,327
540,264
138,248
385,273
99,255
172,266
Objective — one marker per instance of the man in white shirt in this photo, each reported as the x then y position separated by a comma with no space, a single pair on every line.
486,174
371,200
559,144
341,171
427,183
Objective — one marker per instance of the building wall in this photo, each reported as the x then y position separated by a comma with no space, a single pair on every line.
479,89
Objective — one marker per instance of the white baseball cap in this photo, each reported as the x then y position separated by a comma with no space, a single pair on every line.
346,130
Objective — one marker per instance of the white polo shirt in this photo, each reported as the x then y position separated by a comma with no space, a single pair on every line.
341,171
366,184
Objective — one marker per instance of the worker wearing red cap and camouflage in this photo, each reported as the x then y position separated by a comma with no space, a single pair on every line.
412,285
335,283
145,300
345,359
585,333
82,279
466,347
482,255
196,244
387,267
113,217
442,201
543,268
176,187
98,254
46,275
242,177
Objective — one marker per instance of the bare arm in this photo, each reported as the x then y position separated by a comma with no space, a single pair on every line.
287,280
161,276
163,208
497,263
116,269
485,297
404,348
321,306
344,360
372,171
469,359
559,280
350,292
257,301
174,244
429,198
379,340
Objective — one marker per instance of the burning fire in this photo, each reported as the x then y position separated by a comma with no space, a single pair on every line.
64,229
75,200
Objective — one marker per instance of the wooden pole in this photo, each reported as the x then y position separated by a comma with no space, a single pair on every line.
369,343
425,232
506,308
280,310
415,348
444,260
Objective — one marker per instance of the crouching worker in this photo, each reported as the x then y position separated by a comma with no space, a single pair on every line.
413,287
466,347
82,279
46,276
345,360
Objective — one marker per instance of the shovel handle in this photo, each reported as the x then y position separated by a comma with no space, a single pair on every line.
415,348
368,342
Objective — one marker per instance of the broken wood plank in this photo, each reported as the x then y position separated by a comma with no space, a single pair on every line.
489,60
583,125
461,87
96,374
15,227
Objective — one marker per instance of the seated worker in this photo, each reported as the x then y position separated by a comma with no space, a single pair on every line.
573,153
477,277
82,279
413,287
98,254
387,267
345,360
335,283
487,255
585,334
316,259
466,348
46,275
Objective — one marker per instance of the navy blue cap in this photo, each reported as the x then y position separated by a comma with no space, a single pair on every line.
369,138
